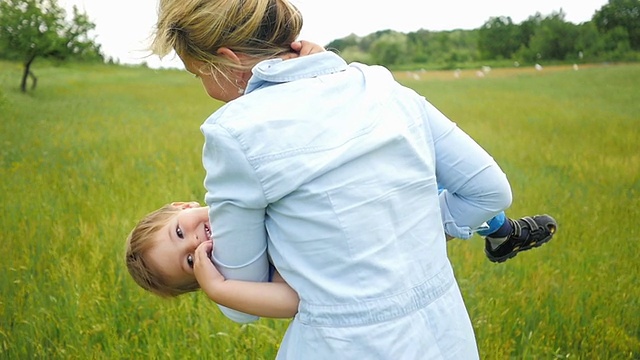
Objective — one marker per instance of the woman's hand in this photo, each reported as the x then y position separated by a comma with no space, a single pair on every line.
303,48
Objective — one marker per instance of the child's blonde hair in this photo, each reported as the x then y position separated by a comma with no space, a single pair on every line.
139,242
261,29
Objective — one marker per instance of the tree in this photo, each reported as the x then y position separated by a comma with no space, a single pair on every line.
590,44
554,38
529,27
345,42
38,28
498,38
620,13
390,49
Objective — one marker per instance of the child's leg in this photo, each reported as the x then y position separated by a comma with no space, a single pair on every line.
496,224
519,235
505,237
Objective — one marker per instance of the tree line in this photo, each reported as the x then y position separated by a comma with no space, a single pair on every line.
612,34
31,29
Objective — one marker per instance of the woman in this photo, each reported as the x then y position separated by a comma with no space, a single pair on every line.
329,170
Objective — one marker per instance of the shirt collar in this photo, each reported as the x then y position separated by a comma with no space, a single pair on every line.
274,71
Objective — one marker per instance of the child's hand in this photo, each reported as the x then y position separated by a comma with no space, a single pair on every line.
206,273
302,48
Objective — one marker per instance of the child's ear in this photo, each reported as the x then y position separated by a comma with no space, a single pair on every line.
186,205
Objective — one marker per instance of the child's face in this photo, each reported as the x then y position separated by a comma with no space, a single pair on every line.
175,244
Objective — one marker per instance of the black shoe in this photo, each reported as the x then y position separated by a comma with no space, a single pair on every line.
540,229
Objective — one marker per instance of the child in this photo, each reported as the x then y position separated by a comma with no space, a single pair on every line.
161,257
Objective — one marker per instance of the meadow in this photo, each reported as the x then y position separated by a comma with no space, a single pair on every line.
96,147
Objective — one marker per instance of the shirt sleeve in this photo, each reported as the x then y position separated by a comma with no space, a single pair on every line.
474,187
237,206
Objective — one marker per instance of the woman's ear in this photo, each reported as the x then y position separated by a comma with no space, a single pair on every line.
241,76
185,205
229,54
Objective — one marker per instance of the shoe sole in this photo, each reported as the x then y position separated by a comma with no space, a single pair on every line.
515,251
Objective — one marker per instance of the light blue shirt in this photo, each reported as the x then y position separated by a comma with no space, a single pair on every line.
330,169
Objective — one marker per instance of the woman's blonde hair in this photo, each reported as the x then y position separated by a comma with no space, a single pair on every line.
261,29
139,242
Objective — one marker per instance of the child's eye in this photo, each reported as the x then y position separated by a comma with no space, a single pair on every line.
179,233
190,260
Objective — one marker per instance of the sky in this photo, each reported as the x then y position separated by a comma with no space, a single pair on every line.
124,27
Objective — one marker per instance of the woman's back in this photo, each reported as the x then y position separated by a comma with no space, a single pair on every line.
346,166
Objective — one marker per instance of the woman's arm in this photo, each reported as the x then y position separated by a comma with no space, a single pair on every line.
237,207
475,188
269,299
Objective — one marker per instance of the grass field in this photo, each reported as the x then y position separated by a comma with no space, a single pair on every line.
96,147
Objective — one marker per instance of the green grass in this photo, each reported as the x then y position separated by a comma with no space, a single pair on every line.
94,148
